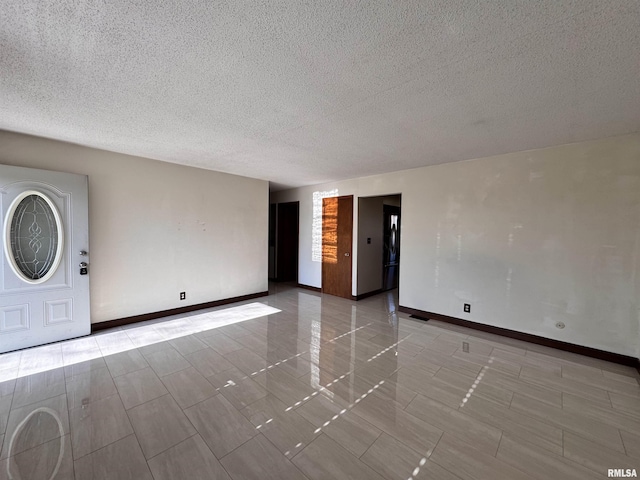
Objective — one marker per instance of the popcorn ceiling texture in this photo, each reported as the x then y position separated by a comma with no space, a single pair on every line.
301,93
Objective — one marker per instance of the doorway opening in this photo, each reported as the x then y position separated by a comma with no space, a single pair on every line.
283,241
379,225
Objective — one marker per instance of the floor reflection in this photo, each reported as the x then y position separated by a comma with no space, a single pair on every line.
306,385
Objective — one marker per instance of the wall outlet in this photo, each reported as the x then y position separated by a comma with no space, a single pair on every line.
465,347
467,308
183,295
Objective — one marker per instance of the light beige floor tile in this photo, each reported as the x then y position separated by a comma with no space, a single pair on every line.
255,343
593,400
599,432
190,459
227,377
324,458
80,350
350,431
468,463
478,384
187,344
52,459
9,365
246,360
243,393
114,342
160,424
595,411
5,408
234,331
527,360
595,456
125,362
625,403
7,387
221,426
208,362
484,437
566,385
221,343
390,418
296,367
270,405
84,367
258,459
395,461
507,382
632,377
287,388
89,387
288,431
188,387
509,421
393,391
35,424
595,378
540,463
40,359
40,386
121,460
631,443
98,424
432,387
139,387
498,364
166,362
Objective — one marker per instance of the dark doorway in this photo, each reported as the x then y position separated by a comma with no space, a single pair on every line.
337,234
284,225
391,247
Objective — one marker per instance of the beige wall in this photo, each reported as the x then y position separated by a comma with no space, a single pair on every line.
529,239
157,229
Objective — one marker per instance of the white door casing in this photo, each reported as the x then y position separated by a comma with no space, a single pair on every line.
43,296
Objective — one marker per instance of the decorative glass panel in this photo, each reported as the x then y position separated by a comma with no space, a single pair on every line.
34,238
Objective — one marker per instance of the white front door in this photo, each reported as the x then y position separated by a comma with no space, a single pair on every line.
44,289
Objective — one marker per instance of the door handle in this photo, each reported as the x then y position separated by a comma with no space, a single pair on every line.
83,264
347,254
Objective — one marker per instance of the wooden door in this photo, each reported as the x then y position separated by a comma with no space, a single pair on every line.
337,232
44,282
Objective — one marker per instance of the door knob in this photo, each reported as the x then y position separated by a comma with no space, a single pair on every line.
83,264
83,253
347,254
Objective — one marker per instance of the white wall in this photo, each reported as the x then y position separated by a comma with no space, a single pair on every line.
529,239
157,229
369,266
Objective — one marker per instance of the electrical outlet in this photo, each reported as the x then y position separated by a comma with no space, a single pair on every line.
465,347
467,308
183,295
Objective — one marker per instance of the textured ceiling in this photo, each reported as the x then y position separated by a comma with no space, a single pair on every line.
304,92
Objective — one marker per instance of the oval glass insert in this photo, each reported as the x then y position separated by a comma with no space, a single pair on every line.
33,237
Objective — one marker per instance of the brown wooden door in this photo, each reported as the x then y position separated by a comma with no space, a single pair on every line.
337,231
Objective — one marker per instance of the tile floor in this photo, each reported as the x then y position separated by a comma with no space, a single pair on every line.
303,386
